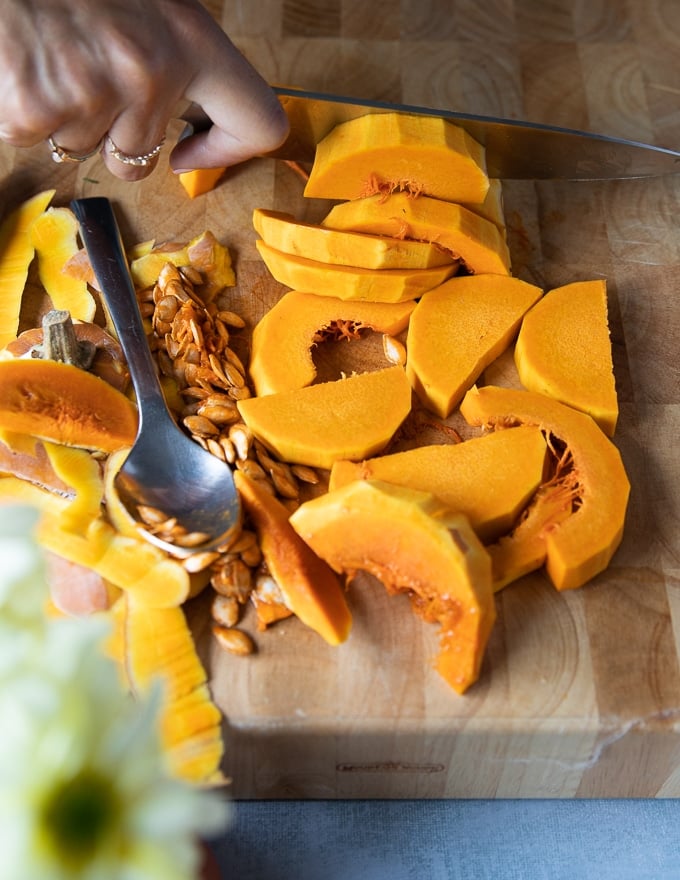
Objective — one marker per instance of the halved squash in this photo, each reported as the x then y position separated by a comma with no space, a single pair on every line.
563,350
386,152
581,545
410,542
311,589
351,282
489,479
60,402
281,355
284,233
471,238
351,418
458,329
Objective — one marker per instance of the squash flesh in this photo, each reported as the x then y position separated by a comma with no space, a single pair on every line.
489,479
352,418
373,526
281,356
563,350
581,546
310,588
62,403
351,282
460,328
282,232
383,152
475,240
54,236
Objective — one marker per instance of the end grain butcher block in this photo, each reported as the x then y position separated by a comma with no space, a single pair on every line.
579,694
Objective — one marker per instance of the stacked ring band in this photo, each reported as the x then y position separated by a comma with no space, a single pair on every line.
59,154
141,160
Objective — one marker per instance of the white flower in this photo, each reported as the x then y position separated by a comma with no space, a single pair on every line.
84,793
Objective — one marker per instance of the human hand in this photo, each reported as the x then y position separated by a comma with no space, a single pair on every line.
87,73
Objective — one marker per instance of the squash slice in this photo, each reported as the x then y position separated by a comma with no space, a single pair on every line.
386,152
201,180
350,418
460,328
581,545
563,350
284,233
311,589
471,238
351,282
489,479
412,544
60,402
281,355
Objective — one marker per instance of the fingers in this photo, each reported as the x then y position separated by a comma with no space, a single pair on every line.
247,117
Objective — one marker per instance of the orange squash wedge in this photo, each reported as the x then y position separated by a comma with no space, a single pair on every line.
283,339
386,152
200,180
351,418
311,589
284,233
60,402
489,479
563,350
581,545
351,282
373,526
458,329
468,236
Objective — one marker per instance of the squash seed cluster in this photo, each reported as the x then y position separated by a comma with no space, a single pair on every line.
190,338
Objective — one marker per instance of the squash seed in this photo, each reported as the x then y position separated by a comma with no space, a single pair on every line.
235,641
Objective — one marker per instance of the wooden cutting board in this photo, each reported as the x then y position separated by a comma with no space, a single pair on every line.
580,692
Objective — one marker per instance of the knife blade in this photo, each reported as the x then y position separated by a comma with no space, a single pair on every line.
514,150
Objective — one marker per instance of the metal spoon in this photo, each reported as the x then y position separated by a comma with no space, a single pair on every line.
165,469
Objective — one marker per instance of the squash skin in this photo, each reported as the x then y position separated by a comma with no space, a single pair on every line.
470,237
460,328
489,479
60,402
357,528
563,350
582,545
381,152
54,235
353,417
284,233
351,282
311,589
282,341
16,254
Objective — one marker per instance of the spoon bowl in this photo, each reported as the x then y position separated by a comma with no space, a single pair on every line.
165,469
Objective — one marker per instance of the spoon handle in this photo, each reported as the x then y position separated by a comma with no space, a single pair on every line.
102,239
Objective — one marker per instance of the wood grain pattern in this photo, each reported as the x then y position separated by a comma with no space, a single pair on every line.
580,692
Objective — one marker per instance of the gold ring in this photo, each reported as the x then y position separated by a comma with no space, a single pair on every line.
140,161
59,154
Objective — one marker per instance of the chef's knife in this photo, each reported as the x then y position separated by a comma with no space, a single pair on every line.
514,150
